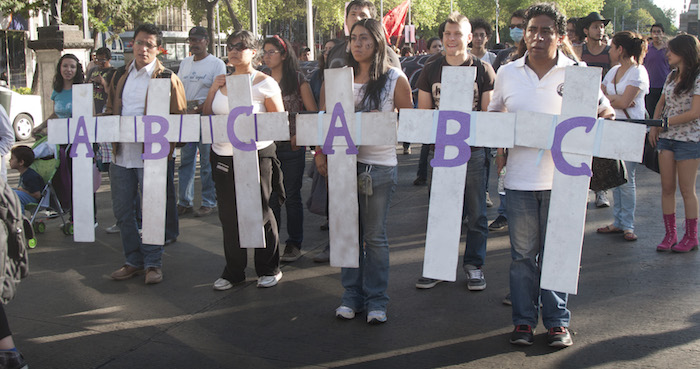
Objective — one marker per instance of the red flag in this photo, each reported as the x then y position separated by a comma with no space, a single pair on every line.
394,20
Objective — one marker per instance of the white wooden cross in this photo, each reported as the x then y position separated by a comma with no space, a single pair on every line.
453,130
170,128
241,128
339,133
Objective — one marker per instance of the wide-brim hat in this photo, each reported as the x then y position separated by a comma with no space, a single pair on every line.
593,17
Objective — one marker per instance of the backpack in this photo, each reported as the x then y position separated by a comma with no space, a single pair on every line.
15,233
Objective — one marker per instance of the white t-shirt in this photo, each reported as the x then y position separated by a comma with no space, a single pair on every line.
518,88
488,57
198,76
262,90
635,76
134,104
379,155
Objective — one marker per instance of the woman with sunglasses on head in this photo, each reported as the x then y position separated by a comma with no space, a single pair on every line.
377,87
625,86
267,97
678,141
296,96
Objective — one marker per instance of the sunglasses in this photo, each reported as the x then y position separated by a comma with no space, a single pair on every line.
237,46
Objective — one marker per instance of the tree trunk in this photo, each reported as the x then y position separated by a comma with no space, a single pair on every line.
210,24
236,24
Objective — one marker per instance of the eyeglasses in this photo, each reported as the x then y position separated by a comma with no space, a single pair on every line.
237,46
272,52
145,44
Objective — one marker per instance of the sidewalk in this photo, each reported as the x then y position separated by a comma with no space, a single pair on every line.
635,308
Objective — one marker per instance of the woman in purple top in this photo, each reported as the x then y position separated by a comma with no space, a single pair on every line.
656,64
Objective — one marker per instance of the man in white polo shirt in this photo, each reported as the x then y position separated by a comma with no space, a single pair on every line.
534,83
197,73
128,98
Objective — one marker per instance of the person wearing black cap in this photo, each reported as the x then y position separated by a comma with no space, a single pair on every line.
197,73
596,53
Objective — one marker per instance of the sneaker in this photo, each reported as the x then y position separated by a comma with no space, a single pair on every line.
182,210
170,240
203,211
125,272
376,317
222,284
475,278
12,359
344,312
426,283
522,335
506,300
323,256
154,275
269,280
407,150
420,181
489,203
499,224
291,253
601,199
559,337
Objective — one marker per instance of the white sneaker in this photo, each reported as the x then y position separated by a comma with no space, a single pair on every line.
376,317
112,230
222,284
344,312
269,280
601,199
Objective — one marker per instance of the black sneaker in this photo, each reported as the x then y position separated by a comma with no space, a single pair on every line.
522,335
291,253
559,337
499,224
507,301
426,283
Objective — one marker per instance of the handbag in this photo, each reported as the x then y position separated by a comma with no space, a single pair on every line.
607,174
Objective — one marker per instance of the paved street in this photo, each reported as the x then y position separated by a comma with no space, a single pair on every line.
635,308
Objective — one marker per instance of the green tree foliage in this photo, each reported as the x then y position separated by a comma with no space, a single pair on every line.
644,11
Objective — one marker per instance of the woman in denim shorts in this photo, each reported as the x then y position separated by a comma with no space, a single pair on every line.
678,141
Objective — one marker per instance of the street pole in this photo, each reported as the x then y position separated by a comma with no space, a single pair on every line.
498,12
254,18
86,31
310,29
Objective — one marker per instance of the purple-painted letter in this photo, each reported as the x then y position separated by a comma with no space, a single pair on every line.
150,137
342,130
81,137
232,116
562,129
458,139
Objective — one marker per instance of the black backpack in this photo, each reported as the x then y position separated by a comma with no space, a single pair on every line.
15,233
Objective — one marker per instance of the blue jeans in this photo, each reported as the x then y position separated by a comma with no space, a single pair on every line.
626,199
423,161
125,185
475,210
502,206
25,198
365,287
527,222
188,155
172,226
292,163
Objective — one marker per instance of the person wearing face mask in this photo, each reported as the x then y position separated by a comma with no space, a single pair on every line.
517,26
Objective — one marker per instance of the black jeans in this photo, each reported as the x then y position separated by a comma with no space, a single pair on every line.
267,259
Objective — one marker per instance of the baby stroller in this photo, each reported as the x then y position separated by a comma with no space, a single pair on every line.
46,164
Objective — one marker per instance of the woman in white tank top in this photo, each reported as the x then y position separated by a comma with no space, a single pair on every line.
377,88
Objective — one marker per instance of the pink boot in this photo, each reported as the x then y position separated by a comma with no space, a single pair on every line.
671,235
690,239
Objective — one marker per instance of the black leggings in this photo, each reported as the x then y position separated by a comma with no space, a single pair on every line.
4,325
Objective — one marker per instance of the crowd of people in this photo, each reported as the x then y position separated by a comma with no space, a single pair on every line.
641,78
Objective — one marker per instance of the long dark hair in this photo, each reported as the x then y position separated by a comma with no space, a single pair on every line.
58,78
290,66
633,43
377,70
688,48
247,38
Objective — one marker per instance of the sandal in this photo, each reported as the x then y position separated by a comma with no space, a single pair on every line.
629,235
609,229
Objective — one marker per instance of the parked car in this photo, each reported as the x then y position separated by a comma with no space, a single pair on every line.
117,60
24,112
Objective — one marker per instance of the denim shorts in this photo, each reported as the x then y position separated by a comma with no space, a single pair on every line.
682,150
